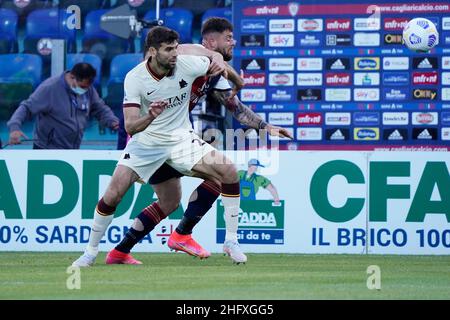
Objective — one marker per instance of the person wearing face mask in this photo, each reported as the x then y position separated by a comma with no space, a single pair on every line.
62,106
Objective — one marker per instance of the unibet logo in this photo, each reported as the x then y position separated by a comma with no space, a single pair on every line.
435,177
257,219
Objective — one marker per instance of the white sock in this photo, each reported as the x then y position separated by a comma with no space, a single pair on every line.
231,205
98,230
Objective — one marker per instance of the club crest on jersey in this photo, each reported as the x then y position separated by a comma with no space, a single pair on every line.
183,84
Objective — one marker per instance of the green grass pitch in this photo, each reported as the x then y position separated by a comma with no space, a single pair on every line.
36,275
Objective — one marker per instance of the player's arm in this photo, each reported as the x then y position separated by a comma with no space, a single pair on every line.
135,123
246,116
217,65
236,79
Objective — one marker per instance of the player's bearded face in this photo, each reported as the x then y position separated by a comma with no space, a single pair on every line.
166,56
225,45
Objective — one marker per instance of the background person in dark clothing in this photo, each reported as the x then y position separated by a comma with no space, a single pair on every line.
62,106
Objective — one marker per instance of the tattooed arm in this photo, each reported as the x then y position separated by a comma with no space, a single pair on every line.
245,115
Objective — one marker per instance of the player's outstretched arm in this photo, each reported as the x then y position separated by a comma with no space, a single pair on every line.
135,123
246,116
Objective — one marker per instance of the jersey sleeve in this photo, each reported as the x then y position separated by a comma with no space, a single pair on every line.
194,66
132,97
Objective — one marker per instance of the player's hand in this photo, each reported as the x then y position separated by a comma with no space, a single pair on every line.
157,107
217,66
239,83
14,137
278,131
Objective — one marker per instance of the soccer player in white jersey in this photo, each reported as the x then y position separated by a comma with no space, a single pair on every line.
156,112
217,34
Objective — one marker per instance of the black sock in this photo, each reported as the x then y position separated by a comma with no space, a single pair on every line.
149,218
207,194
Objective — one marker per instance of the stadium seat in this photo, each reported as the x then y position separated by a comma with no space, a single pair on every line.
24,7
141,7
100,42
48,23
196,7
8,31
175,18
120,66
217,12
92,59
85,5
19,76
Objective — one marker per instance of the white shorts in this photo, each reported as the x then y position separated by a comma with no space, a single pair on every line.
182,156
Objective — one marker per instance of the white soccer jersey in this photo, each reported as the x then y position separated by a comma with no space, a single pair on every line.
142,88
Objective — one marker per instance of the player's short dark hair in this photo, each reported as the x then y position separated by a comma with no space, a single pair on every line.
83,71
216,24
159,35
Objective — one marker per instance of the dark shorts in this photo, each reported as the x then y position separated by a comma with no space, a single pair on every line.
164,173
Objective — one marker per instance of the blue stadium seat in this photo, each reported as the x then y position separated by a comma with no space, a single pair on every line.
8,31
120,66
141,7
175,18
85,5
218,12
92,59
100,42
19,76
